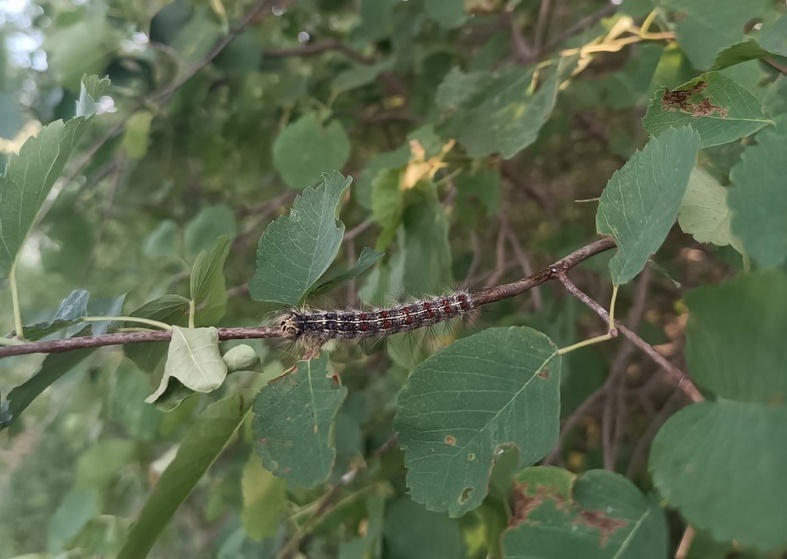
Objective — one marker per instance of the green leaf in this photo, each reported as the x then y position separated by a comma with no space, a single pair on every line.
208,286
457,88
735,337
369,543
641,200
722,465
427,265
99,465
602,516
769,41
194,359
293,423
448,14
169,309
162,241
368,258
360,75
717,107
295,250
758,199
210,223
240,358
73,513
306,148
411,531
72,309
703,212
127,403
264,500
505,116
461,406
708,26
52,369
387,204
203,443
137,134
30,175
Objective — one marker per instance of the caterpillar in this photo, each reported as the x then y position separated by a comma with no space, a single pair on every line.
346,324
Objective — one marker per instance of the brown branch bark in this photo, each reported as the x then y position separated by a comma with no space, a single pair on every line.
680,378
481,298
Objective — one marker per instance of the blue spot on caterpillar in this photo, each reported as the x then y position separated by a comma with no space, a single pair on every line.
345,324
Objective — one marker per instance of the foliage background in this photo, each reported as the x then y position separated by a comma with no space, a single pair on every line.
191,146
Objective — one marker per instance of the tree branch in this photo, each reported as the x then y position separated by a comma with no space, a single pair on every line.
682,380
480,298
320,47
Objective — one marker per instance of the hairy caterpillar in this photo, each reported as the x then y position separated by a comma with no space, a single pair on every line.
324,325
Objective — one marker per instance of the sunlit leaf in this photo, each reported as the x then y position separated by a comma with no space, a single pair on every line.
704,213
194,359
29,176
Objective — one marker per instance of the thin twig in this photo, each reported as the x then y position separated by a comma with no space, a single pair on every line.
682,380
321,47
524,262
685,543
484,297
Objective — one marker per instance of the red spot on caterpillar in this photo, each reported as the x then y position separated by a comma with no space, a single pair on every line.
447,309
428,310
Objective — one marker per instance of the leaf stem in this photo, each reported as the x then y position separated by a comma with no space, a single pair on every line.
137,319
192,312
20,334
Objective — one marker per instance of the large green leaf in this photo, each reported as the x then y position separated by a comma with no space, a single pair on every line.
758,199
505,116
707,26
208,225
641,200
735,337
73,513
306,148
295,250
703,212
767,42
194,359
169,309
30,175
717,107
461,406
722,466
597,515
203,443
51,370
208,286
294,420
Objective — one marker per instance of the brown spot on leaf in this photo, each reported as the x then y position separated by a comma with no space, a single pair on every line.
681,100
544,373
450,440
466,492
471,456
598,519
